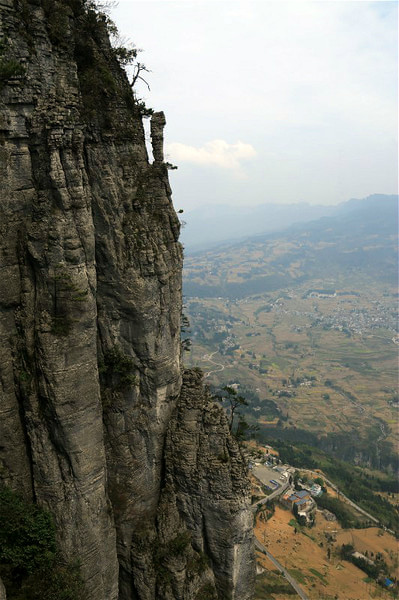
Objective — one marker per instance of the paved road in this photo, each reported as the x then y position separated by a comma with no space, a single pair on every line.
208,357
282,570
262,474
273,495
349,501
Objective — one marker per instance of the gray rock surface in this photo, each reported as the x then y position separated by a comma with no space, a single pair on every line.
207,472
158,123
92,421
3,595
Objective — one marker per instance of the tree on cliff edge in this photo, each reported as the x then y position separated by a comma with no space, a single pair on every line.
230,397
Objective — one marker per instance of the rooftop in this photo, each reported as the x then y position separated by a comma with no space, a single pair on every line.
301,494
300,502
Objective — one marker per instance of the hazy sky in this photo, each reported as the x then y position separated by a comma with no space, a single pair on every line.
271,101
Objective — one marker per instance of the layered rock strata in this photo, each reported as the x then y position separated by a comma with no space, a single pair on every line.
94,422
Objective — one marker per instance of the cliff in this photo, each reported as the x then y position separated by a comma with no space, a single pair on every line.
97,424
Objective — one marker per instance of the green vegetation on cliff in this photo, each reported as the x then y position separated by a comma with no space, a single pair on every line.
30,565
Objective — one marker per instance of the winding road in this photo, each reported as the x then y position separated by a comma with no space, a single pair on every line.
208,357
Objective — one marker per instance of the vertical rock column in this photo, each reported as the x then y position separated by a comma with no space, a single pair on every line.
158,123
207,472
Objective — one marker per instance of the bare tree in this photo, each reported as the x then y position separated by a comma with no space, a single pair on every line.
139,68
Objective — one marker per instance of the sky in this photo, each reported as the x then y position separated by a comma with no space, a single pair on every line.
271,101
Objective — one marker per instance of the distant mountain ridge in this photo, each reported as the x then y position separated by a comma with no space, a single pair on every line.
359,240
210,226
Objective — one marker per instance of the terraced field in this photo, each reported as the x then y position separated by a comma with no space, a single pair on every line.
305,323
328,365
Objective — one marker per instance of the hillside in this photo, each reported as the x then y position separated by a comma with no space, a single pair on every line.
360,242
211,225
305,322
312,557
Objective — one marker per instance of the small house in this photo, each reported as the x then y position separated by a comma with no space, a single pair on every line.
316,490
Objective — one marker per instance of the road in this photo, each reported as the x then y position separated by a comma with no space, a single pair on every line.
273,495
262,548
279,491
348,500
282,570
262,474
208,357
351,399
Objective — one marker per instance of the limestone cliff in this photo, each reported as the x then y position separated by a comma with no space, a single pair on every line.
145,484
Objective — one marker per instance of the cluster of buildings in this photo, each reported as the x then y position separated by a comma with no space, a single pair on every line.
355,319
359,319
320,294
315,489
301,504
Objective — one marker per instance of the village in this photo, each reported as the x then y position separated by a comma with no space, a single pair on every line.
285,502
281,482
349,316
297,373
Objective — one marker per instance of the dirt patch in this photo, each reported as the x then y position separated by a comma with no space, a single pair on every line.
313,560
372,541
254,445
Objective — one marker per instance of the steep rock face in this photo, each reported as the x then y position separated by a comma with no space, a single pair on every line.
90,303
206,471
2,591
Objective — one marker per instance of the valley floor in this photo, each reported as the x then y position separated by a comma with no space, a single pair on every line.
305,555
321,367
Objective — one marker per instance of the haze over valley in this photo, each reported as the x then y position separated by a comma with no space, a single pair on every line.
305,322
212,225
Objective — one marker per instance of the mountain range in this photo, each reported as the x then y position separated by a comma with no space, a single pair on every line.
209,226
358,240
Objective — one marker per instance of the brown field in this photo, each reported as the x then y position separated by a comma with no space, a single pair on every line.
287,342
255,445
374,540
303,551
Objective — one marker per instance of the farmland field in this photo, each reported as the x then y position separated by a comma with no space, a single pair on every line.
307,363
304,322
312,558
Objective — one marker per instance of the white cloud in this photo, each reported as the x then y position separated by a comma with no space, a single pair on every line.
314,83
217,153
